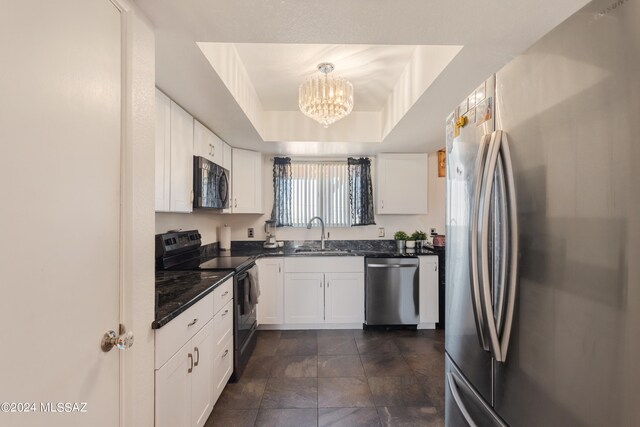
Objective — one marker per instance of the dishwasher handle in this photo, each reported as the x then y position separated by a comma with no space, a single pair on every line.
392,265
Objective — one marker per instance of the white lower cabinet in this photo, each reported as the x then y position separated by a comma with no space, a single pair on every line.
271,302
184,385
324,290
344,298
304,298
190,380
202,378
173,390
428,272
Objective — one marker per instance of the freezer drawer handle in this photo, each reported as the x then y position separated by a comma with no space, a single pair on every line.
453,386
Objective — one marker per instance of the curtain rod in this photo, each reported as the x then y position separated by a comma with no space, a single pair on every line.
320,159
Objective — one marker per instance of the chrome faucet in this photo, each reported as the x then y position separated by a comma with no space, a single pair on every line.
322,224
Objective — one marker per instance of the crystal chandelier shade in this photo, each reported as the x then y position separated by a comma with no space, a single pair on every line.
324,98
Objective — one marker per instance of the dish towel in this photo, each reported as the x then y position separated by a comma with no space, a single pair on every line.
254,285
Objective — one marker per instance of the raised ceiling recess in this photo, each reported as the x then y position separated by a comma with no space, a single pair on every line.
264,79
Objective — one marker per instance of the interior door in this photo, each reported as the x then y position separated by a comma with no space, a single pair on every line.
60,131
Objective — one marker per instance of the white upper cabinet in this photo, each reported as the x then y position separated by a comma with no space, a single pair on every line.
174,156
181,181
246,173
163,150
226,163
402,183
207,144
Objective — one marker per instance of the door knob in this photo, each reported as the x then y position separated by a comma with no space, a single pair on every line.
123,341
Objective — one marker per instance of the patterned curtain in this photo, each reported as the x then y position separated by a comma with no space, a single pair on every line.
360,191
281,212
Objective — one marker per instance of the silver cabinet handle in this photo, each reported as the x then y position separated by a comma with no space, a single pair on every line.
213,150
193,322
513,246
473,238
225,293
196,350
225,354
225,313
235,203
382,201
456,396
328,284
191,365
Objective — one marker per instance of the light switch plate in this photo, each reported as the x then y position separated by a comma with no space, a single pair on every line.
380,231
250,232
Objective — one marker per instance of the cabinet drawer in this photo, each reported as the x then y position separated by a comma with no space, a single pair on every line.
323,264
177,332
222,367
222,295
223,324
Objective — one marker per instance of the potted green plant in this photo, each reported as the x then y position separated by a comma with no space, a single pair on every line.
411,242
401,239
420,237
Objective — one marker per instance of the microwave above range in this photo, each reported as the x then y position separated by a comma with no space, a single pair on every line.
210,184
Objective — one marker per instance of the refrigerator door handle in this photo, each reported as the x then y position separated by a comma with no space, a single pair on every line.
512,213
473,256
485,288
504,246
453,386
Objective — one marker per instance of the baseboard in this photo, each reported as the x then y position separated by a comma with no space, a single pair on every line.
311,326
426,326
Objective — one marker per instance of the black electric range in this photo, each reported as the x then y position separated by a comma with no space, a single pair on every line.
180,251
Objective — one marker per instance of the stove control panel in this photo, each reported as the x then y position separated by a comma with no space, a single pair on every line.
174,242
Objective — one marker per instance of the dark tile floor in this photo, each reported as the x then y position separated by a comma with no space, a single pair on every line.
338,378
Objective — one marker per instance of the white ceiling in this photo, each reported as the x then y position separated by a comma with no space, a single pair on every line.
277,69
491,31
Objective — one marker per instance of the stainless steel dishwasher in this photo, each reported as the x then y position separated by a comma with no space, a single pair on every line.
391,292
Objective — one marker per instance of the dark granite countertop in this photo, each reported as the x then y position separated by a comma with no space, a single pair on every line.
371,248
179,289
176,291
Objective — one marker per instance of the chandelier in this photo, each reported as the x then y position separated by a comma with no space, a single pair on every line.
324,98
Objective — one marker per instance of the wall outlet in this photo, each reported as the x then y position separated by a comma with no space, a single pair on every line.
433,231
250,232
380,231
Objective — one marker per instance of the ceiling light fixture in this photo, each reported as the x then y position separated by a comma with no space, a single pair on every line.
324,98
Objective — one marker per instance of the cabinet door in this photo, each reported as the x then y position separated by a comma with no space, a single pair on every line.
173,390
163,151
402,183
428,289
270,305
202,379
207,144
247,181
181,181
303,298
226,163
344,297
222,366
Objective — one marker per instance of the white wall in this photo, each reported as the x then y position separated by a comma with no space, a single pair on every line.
208,222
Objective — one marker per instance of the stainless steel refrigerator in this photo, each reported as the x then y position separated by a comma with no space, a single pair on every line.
543,232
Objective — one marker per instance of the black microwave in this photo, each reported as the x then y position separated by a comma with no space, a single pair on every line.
210,184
